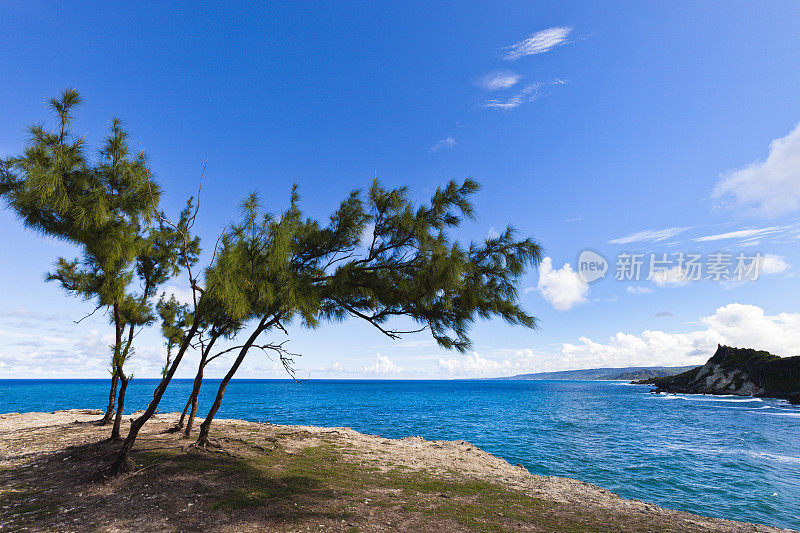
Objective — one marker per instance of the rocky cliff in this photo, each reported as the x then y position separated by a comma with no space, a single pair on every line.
740,371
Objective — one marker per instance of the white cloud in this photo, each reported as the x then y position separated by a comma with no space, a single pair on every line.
740,234
492,233
772,264
638,290
55,356
740,325
333,368
653,235
673,277
563,288
539,42
383,366
183,295
502,79
474,364
442,144
770,187
29,314
527,94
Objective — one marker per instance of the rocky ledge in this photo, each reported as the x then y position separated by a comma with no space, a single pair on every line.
738,371
265,477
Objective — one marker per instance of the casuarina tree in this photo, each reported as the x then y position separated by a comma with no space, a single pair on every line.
410,269
270,271
100,205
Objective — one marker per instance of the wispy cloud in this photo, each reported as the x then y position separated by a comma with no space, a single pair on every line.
443,144
501,79
672,277
28,314
538,43
653,235
638,290
740,234
528,94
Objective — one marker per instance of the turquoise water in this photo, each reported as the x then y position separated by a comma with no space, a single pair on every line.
726,457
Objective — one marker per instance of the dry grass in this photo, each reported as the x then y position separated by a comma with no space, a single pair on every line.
267,477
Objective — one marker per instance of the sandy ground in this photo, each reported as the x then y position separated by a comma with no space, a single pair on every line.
50,480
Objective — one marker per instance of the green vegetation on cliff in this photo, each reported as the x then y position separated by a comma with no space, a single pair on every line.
741,371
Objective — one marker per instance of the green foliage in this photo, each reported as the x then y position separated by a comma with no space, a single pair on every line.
175,321
57,190
278,268
105,206
380,257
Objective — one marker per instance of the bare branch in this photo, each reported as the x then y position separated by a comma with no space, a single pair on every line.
90,314
190,220
285,357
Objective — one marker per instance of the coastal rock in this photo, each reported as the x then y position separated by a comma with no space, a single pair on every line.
737,371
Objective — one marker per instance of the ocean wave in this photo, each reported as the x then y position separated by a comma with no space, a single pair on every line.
775,457
785,413
709,398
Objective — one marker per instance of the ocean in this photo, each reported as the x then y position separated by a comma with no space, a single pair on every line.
720,456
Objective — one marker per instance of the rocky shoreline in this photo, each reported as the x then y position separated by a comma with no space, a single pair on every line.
294,478
737,371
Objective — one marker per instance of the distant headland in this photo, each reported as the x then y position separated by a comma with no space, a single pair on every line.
605,374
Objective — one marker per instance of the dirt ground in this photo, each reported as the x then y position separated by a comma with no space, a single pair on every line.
266,477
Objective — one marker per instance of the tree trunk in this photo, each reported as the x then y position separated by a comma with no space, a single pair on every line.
115,434
112,397
202,439
198,381
123,462
179,424
117,360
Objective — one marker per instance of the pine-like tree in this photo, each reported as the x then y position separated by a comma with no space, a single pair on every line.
274,271
271,271
101,206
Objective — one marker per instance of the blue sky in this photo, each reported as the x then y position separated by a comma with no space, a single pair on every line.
633,127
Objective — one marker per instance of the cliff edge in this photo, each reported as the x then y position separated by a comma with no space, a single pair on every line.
265,477
738,371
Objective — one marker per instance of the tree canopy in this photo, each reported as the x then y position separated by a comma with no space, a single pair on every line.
380,257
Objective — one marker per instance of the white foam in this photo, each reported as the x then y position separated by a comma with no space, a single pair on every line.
784,413
775,457
711,398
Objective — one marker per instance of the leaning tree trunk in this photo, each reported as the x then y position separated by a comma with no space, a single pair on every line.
182,419
198,381
202,439
123,461
115,435
112,397
193,400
